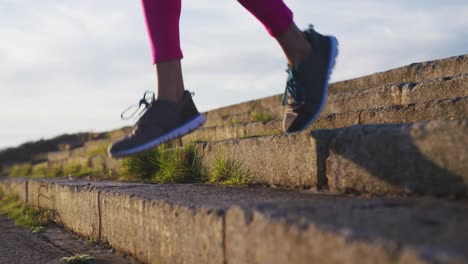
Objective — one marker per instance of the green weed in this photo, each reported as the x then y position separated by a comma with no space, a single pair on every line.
79,259
20,170
142,166
40,170
98,167
72,168
261,116
228,172
24,215
76,169
91,241
178,166
234,121
251,136
164,165
224,116
55,170
97,148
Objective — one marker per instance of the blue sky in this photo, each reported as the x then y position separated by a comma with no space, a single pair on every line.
70,66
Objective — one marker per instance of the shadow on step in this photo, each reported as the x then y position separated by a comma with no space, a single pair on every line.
398,159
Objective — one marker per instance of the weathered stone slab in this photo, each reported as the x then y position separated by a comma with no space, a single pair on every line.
415,72
216,133
328,229
159,231
77,207
375,97
282,160
398,94
74,205
386,84
41,194
445,109
336,120
426,158
223,132
275,112
189,223
263,104
363,99
449,87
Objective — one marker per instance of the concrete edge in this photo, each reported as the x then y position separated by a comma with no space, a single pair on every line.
161,231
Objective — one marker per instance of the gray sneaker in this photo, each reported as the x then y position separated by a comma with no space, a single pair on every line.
307,85
162,121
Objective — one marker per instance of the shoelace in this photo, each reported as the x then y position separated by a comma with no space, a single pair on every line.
146,101
293,88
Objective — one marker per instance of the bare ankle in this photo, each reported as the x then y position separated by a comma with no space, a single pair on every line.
170,81
171,97
295,45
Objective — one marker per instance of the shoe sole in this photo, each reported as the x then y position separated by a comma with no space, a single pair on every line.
179,131
331,65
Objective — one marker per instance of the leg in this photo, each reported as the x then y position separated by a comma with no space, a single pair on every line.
162,20
278,20
174,114
311,58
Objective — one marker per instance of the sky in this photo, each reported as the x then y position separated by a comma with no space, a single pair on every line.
73,66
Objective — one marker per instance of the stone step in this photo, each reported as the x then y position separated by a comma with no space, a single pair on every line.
445,109
429,158
386,95
414,73
456,109
214,224
399,94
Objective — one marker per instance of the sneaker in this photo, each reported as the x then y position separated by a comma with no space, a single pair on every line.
307,85
161,121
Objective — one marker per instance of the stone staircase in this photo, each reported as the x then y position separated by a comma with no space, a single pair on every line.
381,177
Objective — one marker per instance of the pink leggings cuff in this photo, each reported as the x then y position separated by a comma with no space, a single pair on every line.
162,21
275,16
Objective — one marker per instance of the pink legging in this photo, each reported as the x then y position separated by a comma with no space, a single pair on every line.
162,20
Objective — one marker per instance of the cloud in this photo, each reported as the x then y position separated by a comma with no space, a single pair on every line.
68,66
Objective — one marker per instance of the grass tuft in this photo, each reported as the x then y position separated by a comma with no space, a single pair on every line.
179,166
164,165
24,215
234,121
79,259
224,116
252,136
56,170
75,168
97,148
72,168
261,116
20,170
40,170
228,172
141,166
